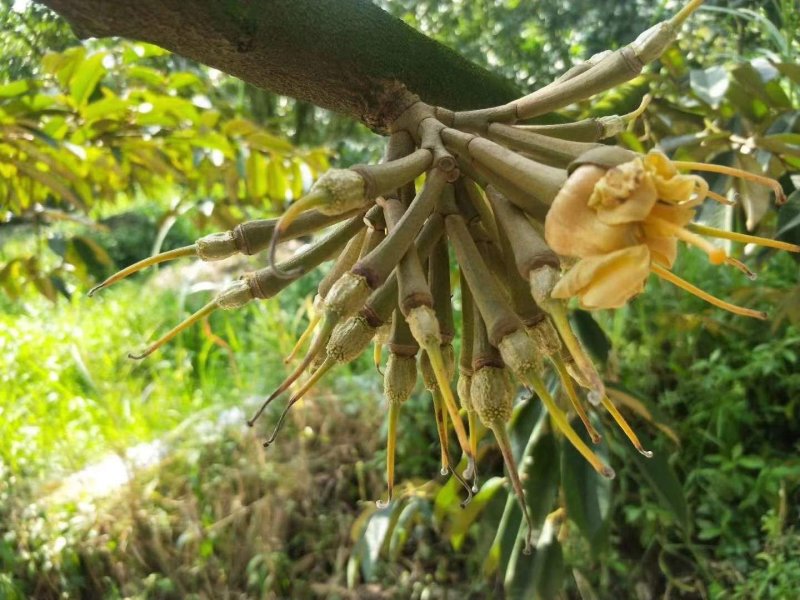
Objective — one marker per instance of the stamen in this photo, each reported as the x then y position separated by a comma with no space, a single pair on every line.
508,456
742,267
317,346
675,280
780,196
301,341
185,324
685,13
558,314
143,264
440,371
623,424
566,382
632,116
716,255
441,429
743,237
560,419
377,355
472,422
391,445
719,198
315,377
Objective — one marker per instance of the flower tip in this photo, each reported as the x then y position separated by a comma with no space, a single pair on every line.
596,437
608,472
595,396
645,453
381,504
717,256
443,471
527,550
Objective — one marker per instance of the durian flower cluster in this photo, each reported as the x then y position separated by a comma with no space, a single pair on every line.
610,217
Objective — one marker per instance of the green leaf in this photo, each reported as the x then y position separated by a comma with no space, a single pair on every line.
539,576
93,256
789,220
11,277
182,79
755,198
86,77
781,143
276,176
15,88
40,280
64,64
151,77
256,177
591,334
465,518
266,142
663,480
505,538
790,70
373,538
587,494
542,474
402,529
105,108
710,84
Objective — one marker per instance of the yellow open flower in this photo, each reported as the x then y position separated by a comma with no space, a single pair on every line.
624,221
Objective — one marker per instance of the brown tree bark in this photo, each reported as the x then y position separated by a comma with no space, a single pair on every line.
345,55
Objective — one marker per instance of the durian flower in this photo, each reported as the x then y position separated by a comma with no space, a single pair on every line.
622,215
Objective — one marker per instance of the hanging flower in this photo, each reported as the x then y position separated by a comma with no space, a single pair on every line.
622,215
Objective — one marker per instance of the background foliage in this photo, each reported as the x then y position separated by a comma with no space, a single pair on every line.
121,479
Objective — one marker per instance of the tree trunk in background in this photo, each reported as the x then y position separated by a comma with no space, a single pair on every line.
345,55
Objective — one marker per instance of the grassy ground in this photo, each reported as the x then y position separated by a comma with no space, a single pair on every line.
218,516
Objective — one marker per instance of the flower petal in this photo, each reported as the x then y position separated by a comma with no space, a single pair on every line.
606,281
625,194
670,185
572,227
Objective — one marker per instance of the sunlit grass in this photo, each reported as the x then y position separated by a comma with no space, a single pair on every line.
69,394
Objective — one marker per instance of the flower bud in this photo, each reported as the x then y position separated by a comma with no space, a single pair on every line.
235,296
400,378
349,339
216,246
492,393
344,191
347,295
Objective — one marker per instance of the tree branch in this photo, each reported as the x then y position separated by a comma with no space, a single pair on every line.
345,55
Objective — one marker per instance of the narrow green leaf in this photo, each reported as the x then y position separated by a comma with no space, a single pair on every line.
373,538
542,475
539,576
266,142
505,539
586,493
276,176
86,77
756,199
93,256
781,143
790,70
663,480
789,220
591,334
464,519
15,88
